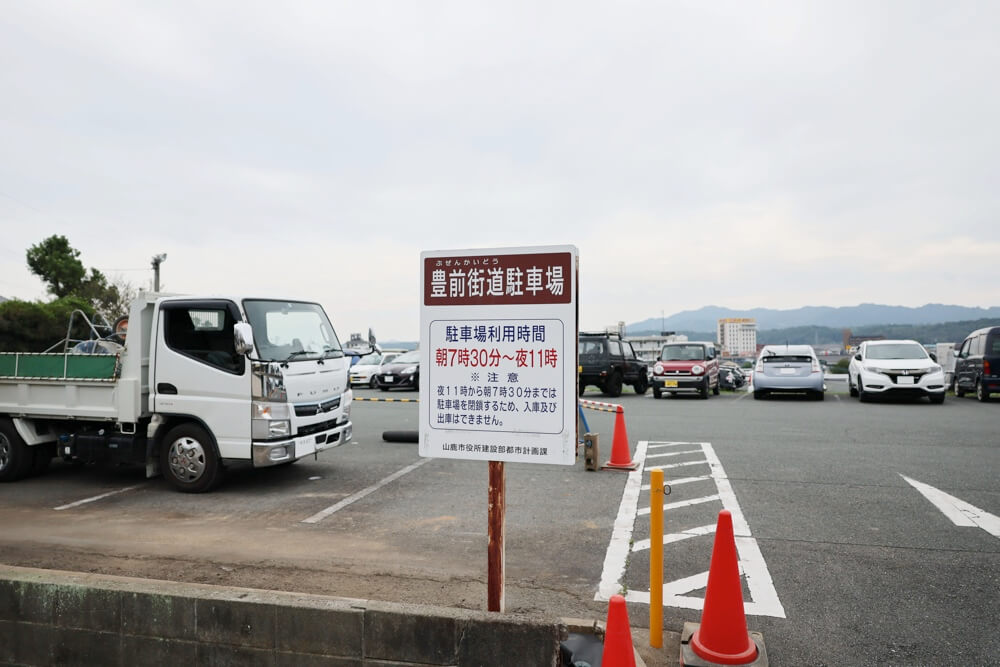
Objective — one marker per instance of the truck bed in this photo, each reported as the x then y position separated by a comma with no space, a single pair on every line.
66,386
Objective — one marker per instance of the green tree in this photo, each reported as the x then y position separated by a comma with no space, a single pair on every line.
58,263
33,327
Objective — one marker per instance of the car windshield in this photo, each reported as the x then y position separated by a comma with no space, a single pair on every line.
291,330
410,357
896,351
373,359
591,347
682,353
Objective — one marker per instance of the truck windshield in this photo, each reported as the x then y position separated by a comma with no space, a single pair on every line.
291,330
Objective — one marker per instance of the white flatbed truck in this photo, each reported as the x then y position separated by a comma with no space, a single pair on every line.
200,383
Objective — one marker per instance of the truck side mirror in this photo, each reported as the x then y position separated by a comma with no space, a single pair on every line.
243,338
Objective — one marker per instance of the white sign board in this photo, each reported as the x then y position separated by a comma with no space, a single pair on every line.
498,340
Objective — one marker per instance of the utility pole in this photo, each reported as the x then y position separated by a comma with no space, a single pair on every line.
157,260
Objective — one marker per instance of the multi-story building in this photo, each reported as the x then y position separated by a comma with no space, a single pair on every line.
737,336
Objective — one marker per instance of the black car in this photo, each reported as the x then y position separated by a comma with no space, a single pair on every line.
977,364
608,362
403,372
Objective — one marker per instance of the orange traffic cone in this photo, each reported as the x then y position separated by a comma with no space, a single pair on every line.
621,459
618,650
722,637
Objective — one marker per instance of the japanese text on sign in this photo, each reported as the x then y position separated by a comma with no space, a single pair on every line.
497,279
514,384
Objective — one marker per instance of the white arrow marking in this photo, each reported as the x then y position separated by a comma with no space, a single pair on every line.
960,512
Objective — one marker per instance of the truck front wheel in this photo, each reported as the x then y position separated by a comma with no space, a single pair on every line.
16,457
188,460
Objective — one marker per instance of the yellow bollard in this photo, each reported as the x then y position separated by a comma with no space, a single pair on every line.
656,558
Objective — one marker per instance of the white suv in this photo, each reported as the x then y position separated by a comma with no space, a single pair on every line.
896,368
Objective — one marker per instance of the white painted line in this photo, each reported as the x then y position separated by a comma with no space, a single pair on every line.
960,512
663,456
350,500
764,597
682,480
677,465
681,503
670,538
95,498
660,444
618,550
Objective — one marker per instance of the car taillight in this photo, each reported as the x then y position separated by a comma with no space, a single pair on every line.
815,366
986,367
760,367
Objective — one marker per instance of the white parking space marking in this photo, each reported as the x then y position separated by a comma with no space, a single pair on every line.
663,456
616,557
764,598
350,500
960,512
95,498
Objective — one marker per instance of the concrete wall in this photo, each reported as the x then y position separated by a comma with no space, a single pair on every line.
61,618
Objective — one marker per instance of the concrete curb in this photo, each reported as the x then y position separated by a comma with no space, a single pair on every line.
49,617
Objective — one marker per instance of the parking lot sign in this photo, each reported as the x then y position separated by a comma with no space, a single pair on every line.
498,331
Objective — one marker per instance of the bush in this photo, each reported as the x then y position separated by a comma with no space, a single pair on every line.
27,326
840,367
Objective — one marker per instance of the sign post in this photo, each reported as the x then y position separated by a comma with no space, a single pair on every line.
498,340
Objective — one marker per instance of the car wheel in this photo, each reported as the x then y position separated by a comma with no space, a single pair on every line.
851,389
981,394
758,395
613,387
657,393
716,389
863,395
188,460
16,458
959,392
583,388
383,388
819,396
641,385
936,399
704,389
372,383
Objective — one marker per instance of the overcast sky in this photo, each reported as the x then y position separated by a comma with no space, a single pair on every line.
740,154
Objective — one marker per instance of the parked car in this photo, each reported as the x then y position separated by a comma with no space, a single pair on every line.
977,364
691,366
608,362
364,371
788,369
402,372
897,368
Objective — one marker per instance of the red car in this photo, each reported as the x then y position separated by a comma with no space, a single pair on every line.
687,367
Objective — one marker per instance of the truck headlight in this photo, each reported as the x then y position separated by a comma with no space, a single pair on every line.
270,420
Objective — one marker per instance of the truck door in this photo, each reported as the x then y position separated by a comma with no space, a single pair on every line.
199,374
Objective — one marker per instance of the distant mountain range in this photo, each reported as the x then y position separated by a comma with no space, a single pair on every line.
847,317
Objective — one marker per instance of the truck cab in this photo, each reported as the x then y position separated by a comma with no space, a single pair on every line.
607,361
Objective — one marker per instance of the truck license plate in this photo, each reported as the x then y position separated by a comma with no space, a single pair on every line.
670,383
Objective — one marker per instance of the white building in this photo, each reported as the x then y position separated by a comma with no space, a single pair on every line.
737,336
648,348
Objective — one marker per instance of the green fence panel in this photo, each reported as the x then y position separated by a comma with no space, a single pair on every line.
58,366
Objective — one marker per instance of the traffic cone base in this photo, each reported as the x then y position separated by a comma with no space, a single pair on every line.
618,649
621,459
691,659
